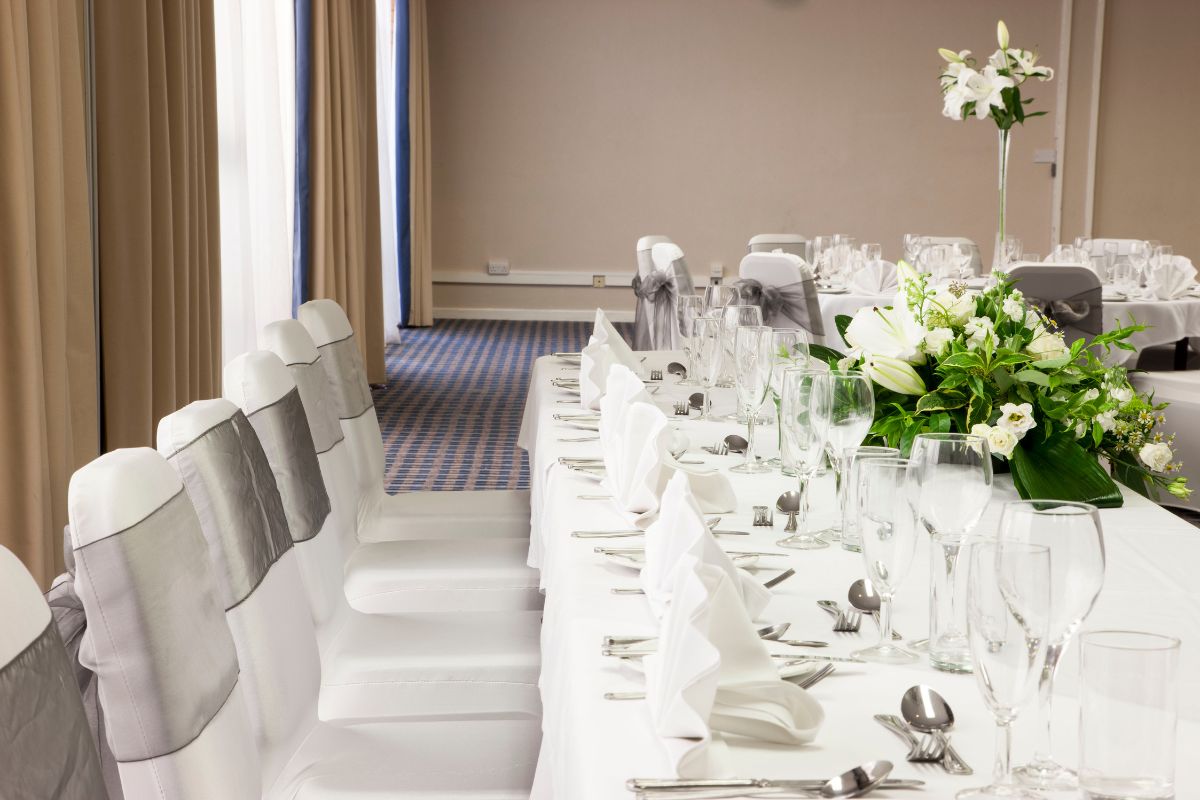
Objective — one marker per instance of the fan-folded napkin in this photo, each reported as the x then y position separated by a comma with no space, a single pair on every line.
603,332
1170,280
594,363
877,277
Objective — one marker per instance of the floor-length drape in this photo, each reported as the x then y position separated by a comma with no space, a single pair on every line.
48,417
346,254
420,167
386,51
255,68
159,214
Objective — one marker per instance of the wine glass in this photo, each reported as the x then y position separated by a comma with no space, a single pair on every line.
961,256
872,252
935,259
789,349
1072,533
691,307
718,296
1110,260
1084,243
708,345
1163,255
820,246
954,471
856,459
912,248
1063,254
752,372
888,534
1013,248
803,391
1008,603
845,414
734,317
1139,256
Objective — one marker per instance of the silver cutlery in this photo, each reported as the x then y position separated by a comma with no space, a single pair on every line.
605,534
624,695
818,676
582,439
681,409
925,750
789,503
862,596
675,368
927,711
628,591
802,643
778,579
595,497
656,375
844,621
769,632
853,783
793,658
628,550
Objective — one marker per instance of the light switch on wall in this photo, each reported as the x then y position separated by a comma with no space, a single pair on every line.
497,268
716,270
1045,156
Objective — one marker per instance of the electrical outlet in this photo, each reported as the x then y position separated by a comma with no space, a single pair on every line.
597,281
716,270
497,268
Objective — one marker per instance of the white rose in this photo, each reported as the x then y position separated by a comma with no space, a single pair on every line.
1156,456
937,341
1122,394
944,309
1013,307
1001,441
1046,346
1108,420
1016,419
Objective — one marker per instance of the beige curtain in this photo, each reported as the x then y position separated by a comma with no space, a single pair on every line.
421,196
158,206
48,359
346,260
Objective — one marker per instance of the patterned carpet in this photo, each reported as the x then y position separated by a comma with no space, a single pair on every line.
456,391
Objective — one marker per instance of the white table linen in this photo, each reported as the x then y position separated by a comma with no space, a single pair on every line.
1167,322
591,746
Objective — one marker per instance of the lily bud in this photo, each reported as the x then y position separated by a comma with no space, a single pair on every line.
949,55
894,374
1002,34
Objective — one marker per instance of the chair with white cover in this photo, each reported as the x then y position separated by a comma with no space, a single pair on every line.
792,243
976,258
46,745
782,285
373,667
380,577
184,725
662,277
1067,294
408,515
1182,390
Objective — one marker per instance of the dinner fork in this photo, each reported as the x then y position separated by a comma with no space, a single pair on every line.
844,621
816,677
923,749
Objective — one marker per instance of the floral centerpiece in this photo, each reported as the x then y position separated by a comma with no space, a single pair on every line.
993,92
952,360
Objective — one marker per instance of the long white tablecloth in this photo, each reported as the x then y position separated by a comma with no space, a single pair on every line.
1168,321
591,746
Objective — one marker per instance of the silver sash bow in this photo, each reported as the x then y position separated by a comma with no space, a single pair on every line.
313,383
654,320
165,669
283,431
1083,311
228,478
347,377
784,306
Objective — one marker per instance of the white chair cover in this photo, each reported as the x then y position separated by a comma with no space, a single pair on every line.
658,285
792,243
410,515
782,285
1066,294
46,743
976,259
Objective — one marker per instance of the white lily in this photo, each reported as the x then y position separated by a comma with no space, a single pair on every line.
894,374
891,332
985,89
1002,34
955,98
957,63
904,274
945,309
1026,61
952,57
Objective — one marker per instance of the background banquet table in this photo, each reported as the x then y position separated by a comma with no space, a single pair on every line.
1168,321
834,304
591,745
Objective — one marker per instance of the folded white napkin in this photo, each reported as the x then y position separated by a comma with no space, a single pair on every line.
603,332
594,364
1170,280
633,444
877,277
622,390
712,672
680,529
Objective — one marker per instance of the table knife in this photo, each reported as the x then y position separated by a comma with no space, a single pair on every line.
652,784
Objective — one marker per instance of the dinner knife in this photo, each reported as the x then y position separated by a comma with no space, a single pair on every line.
652,784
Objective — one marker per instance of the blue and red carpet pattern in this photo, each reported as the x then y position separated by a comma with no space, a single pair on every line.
455,395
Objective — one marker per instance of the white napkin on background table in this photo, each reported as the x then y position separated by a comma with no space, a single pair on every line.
1171,280
603,332
877,277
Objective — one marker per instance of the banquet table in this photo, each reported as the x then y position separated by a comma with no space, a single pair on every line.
834,304
1168,321
591,745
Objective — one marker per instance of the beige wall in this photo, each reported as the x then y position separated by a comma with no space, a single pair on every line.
565,129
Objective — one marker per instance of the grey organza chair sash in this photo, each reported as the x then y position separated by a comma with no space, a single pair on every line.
313,382
1084,311
655,317
170,680
228,477
782,306
347,377
283,431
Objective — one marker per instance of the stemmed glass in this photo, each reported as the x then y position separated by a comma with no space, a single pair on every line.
709,348
856,460
1008,604
1013,248
717,296
888,530
1109,261
691,306
935,259
846,416
961,255
954,471
803,390
789,349
872,252
735,317
912,248
752,372
1139,255
1072,533
821,244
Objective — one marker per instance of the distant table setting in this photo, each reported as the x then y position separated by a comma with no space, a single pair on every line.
710,631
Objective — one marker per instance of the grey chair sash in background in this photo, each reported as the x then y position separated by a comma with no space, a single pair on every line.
283,431
313,382
46,747
1069,296
347,377
170,680
229,481
782,306
655,316
1083,311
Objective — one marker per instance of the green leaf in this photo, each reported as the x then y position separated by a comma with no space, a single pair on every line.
976,384
906,439
1032,376
842,321
1010,359
826,354
964,360
1059,469
941,401
939,423
978,411
1133,476
1003,380
1097,433
1054,363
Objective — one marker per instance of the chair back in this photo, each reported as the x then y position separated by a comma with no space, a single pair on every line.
792,243
782,285
1067,294
657,289
644,260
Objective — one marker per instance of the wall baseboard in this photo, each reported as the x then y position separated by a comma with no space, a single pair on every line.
566,315
535,278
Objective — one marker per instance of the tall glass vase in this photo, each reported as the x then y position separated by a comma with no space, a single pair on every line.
999,258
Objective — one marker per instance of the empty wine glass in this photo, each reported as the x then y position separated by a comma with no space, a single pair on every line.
954,471
733,318
872,252
1084,244
691,307
803,390
912,248
888,536
1072,533
1163,254
789,350
752,373
1063,254
961,256
708,344
845,413
1008,605
718,296
1013,249
1110,260
937,262
820,246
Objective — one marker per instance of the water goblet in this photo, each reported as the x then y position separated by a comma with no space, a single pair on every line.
845,412
789,349
691,307
805,438
752,371
718,296
734,317
708,345
872,252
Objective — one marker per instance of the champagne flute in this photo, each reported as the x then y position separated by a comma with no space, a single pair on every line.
820,245
1139,257
802,429
752,372
1072,533
710,353
1008,605
888,536
954,471
733,318
846,416
1110,261
691,306
789,349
